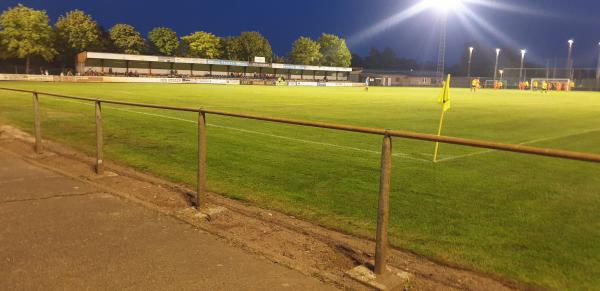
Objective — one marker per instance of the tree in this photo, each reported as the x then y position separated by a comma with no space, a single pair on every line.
253,44
335,51
385,59
202,44
306,51
358,61
76,32
278,59
163,41
106,44
373,61
231,48
25,32
389,61
126,39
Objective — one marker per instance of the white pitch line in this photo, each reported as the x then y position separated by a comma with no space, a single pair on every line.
302,104
400,155
464,156
523,143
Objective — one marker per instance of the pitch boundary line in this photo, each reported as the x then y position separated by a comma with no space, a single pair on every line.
399,155
522,143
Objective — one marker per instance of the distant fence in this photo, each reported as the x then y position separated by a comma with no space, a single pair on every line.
382,243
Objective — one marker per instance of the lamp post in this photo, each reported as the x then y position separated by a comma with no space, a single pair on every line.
496,66
598,69
570,59
501,74
470,59
523,52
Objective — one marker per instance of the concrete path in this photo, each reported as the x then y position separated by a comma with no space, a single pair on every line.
60,233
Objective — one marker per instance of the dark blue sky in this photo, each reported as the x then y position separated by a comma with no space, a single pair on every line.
541,26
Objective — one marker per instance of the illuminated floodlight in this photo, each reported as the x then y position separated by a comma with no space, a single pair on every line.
523,52
444,5
471,49
571,42
497,51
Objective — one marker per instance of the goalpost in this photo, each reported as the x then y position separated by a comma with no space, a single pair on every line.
554,84
491,84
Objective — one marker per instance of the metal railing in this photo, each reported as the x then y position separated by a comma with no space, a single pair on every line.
382,244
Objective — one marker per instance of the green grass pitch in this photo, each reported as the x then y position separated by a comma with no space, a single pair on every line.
526,218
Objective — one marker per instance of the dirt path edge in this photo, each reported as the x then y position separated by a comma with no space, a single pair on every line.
311,249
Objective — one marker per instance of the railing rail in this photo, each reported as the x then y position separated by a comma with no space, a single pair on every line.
386,162
572,155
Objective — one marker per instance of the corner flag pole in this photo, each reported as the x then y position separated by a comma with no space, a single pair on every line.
444,100
437,144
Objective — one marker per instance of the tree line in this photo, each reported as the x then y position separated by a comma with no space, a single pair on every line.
26,33
482,61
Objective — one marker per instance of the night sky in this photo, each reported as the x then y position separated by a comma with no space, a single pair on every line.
541,26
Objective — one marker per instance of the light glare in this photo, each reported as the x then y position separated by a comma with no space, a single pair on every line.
444,5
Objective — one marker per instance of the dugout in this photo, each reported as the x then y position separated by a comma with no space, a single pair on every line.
109,64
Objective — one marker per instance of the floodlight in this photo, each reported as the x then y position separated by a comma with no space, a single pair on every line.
571,42
523,52
444,5
497,51
471,49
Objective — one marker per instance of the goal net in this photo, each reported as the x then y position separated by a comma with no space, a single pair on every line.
553,84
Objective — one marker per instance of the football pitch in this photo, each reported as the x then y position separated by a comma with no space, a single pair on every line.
525,218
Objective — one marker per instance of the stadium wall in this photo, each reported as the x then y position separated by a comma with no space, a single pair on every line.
104,79
214,81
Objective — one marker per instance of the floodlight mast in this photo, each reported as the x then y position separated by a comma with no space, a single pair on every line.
442,49
598,69
570,59
470,59
444,6
496,66
523,52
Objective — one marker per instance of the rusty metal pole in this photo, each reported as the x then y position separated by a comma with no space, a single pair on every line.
37,127
381,247
99,140
201,191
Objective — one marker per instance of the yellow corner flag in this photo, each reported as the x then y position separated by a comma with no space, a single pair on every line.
444,100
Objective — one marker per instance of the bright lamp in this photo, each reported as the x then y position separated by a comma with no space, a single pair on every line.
444,5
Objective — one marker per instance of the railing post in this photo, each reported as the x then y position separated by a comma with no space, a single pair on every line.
37,128
381,247
201,191
99,140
